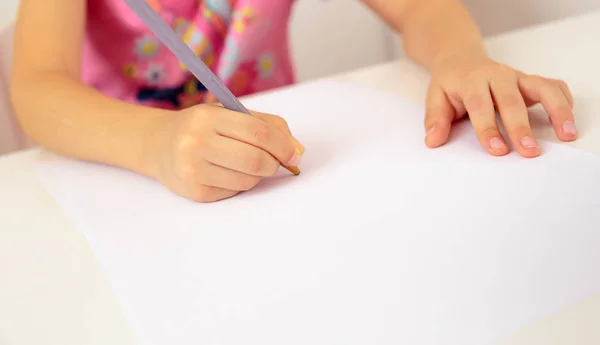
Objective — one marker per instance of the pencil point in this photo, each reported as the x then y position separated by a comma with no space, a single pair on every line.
293,170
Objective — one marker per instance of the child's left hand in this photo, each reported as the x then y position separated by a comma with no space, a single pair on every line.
479,86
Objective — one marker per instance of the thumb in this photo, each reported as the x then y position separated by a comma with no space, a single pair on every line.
438,117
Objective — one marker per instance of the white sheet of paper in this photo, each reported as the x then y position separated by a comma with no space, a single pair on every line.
379,240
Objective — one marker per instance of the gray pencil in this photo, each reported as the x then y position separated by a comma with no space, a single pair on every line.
187,57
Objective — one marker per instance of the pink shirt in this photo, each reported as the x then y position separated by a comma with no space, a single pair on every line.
245,42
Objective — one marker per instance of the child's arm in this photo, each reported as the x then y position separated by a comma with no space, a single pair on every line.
430,28
441,36
59,112
204,153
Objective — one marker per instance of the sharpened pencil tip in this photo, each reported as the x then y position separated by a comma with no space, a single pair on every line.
293,170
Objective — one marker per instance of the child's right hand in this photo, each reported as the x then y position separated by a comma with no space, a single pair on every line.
208,153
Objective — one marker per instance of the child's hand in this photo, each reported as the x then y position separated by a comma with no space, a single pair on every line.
208,153
478,86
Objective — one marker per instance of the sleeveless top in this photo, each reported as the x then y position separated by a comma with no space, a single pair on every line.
244,42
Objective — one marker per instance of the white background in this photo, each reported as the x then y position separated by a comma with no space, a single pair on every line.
325,40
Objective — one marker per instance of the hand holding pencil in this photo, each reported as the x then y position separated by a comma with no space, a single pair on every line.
213,152
208,153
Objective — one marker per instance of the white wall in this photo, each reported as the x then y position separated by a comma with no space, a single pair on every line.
326,38
326,42
8,11
495,16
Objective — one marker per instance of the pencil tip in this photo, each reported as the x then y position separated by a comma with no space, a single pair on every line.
293,170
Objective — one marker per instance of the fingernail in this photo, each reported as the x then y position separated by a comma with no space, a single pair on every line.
295,160
529,143
429,131
299,147
497,144
569,128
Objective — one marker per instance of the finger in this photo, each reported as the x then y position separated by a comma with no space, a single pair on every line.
205,194
259,133
555,101
275,120
278,122
566,91
514,115
282,125
439,114
480,107
561,84
528,101
220,177
241,157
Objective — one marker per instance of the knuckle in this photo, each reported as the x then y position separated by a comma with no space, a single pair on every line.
537,78
436,115
563,111
545,87
184,145
185,149
522,130
255,163
471,77
261,132
190,145
262,164
511,100
517,129
279,121
562,84
203,111
488,131
475,102
537,82
200,117
530,82
506,71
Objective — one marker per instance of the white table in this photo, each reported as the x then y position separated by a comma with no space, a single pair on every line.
52,290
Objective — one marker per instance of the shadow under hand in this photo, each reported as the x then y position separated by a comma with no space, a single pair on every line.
318,157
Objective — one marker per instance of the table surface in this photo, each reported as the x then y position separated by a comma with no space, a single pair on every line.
52,289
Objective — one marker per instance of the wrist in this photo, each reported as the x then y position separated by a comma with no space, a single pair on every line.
153,137
454,53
